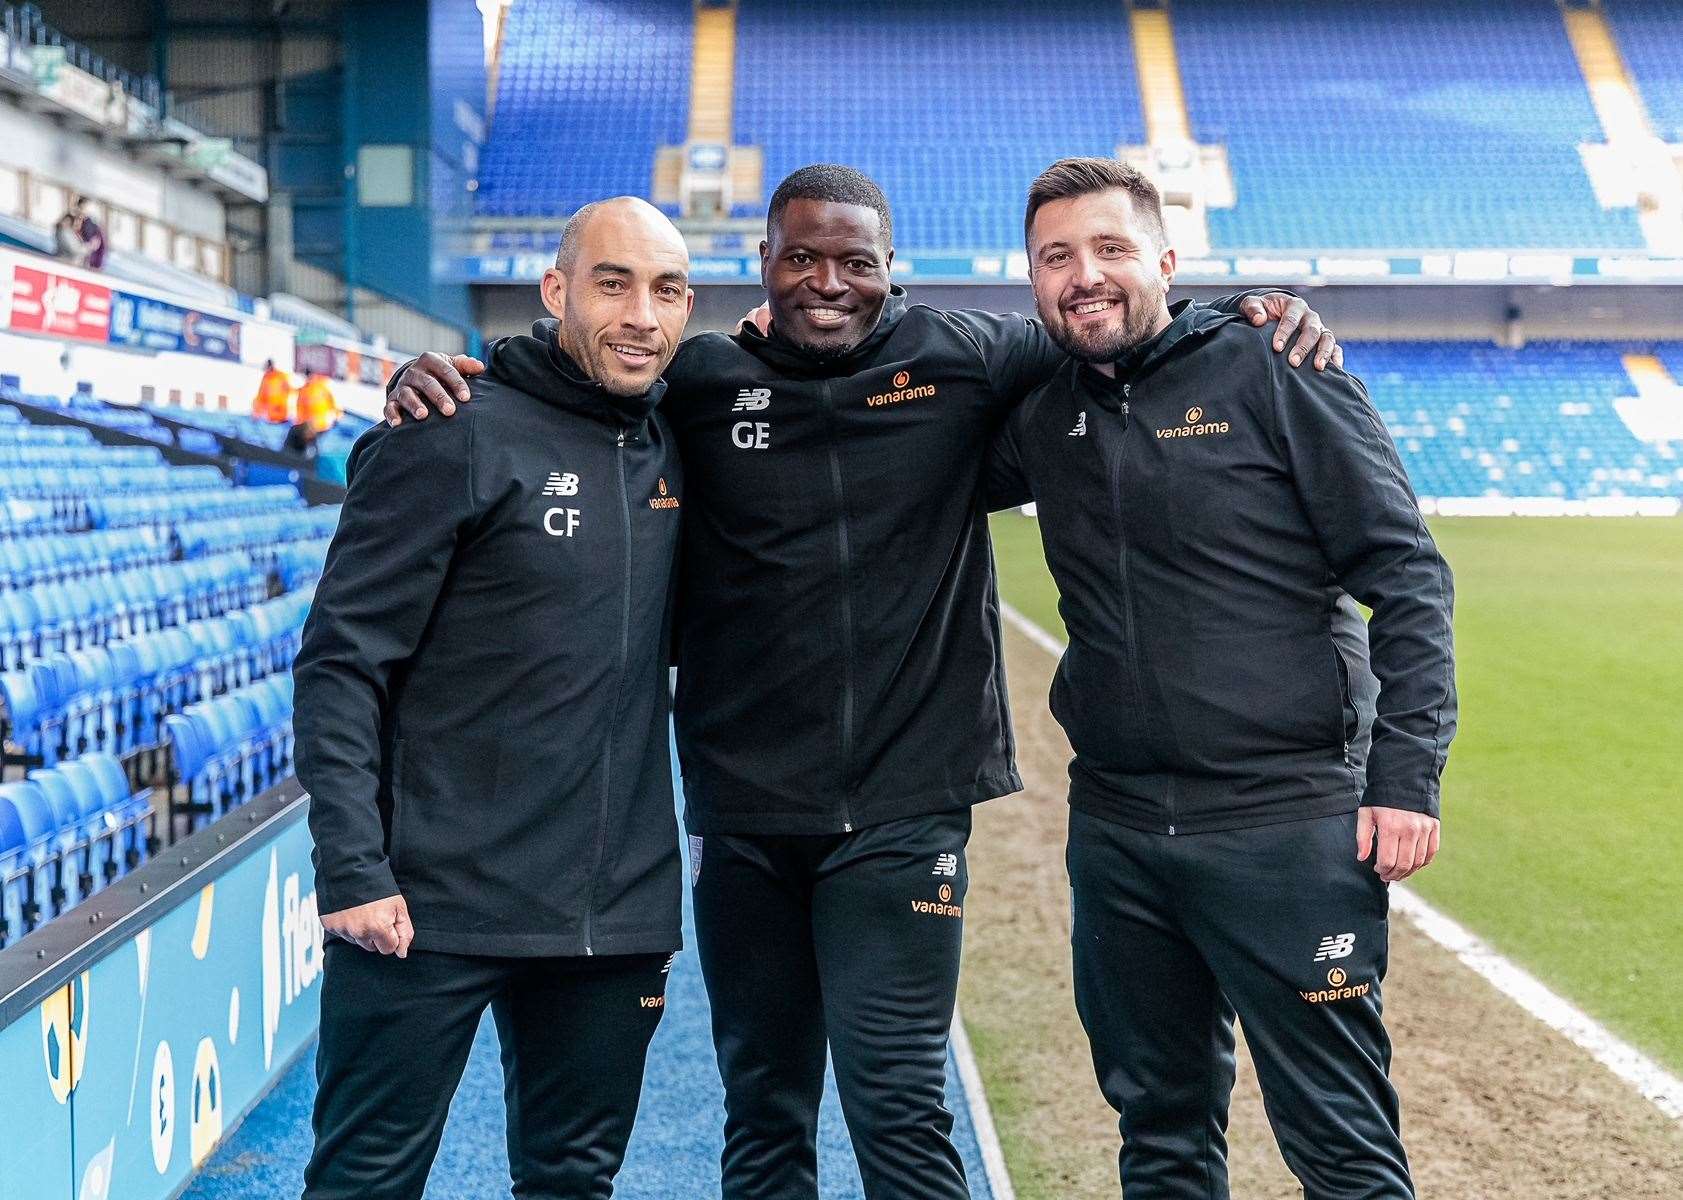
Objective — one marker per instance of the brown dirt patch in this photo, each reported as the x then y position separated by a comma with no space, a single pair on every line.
1495,1105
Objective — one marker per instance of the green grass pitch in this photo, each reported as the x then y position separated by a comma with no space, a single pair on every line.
1563,800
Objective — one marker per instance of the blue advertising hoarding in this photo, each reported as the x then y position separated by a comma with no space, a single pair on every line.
147,324
130,1074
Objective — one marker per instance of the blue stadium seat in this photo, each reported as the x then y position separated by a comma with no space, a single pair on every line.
28,868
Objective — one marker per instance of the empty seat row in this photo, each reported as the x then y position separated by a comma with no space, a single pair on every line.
225,751
36,621
114,697
117,511
66,832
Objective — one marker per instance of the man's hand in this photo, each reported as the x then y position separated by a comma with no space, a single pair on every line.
381,927
1295,315
1407,840
756,318
433,379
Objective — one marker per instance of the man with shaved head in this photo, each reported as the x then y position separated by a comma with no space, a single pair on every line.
481,721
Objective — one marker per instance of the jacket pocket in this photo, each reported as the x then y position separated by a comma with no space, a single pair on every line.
445,810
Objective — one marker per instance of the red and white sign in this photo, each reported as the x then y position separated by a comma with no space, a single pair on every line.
45,302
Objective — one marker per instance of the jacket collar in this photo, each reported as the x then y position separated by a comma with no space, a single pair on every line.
1189,324
776,351
539,367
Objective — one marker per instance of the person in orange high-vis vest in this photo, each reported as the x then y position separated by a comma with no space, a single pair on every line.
316,404
274,395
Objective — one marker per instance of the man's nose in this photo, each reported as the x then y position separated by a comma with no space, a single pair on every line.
1087,273
639,312
826,280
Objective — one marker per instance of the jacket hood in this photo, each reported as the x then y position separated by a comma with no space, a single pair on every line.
539,367
777,351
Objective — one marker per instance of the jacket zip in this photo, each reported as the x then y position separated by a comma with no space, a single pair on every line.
1127,585
846,557
619,695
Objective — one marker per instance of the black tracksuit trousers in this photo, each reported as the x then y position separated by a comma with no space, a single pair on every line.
847,939
1280,923
395,1036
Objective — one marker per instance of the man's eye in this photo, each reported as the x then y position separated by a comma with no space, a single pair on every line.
611,285
800,260
669,293
862,264
1112,250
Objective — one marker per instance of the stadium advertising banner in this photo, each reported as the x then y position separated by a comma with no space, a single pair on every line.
345,363
1449,267
58,305
129,1075
147,324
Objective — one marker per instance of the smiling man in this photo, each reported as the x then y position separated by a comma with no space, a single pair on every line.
841,699
1208,517
482,728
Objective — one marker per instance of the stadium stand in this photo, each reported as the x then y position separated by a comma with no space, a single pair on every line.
1355,126
1647,33
149,615
588,90
1472,419
1345,126
953,120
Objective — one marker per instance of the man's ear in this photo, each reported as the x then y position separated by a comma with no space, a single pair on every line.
554,291
888,262
765,262
1166,266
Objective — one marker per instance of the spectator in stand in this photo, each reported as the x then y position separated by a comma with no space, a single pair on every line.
93,237
67,243
274,395
316,404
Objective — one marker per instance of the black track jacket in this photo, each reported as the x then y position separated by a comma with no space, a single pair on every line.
482,702
1204,515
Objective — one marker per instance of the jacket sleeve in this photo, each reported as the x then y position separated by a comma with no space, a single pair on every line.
1005,481
1017,352
1351,483
410,501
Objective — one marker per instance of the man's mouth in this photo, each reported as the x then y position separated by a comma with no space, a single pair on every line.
826,316
632,356
1090,308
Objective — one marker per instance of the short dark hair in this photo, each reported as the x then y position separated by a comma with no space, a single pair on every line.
572,233
1070,177
834,184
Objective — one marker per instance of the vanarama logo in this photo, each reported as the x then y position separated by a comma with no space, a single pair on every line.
1195,426
943,907
1338,987
902,391
663,500
651,1001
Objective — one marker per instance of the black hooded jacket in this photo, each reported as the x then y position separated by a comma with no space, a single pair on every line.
482,700
1208,515
839,660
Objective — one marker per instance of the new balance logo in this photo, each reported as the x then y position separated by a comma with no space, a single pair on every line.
1335,947
666,969
561,485
1080,429
751,400
946,864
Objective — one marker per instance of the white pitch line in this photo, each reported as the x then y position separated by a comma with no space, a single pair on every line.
981,1115
1663,1089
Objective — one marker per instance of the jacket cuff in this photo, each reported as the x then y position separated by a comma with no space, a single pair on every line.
355,886
1407,797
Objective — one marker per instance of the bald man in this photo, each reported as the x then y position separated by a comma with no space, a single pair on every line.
481,719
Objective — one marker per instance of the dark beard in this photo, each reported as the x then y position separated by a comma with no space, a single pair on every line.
1104,345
